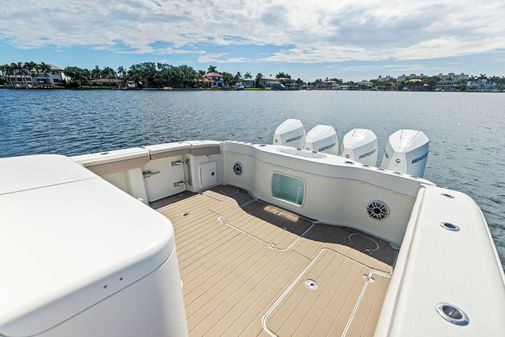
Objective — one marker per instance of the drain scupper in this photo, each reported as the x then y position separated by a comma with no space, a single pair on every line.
311,284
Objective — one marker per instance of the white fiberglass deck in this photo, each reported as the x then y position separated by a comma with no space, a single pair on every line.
253,269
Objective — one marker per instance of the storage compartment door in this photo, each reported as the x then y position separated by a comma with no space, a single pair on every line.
164,177
208,175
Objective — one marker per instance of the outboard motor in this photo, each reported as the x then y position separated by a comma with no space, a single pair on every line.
290,133
407,152
361,145
322,138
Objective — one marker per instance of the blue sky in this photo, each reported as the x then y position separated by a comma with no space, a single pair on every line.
345,39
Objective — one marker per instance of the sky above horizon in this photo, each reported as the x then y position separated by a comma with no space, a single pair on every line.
309,39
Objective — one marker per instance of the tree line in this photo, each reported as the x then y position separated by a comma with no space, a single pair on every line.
157,75
154,75
142,75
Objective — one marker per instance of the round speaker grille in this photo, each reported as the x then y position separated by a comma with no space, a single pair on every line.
378,210
237,168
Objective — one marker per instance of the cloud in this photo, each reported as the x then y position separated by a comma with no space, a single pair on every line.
221,58
304,31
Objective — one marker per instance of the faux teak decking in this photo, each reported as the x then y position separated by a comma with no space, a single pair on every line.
253,269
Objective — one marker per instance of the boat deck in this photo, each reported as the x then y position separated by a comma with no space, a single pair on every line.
253,269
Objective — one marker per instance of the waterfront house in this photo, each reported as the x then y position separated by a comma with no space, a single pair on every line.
273,83
365,85
214,80
446,82
327,85
29,78
292,86
248,82
481,85
54,76
404,78
112,82
19,79
415,84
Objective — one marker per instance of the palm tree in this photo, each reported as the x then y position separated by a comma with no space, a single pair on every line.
22,70
96,73
108,73
3,71
212,69
7,72
259,77
248,75
45,67
121,71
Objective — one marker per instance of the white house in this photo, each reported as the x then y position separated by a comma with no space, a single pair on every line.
365,84
56,75
481,85
273,83
34,78
248,82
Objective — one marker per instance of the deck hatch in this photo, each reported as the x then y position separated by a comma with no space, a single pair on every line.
288,188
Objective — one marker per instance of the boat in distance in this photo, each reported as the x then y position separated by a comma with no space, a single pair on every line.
301,237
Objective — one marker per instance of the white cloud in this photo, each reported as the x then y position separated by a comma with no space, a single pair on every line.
221,58
305,31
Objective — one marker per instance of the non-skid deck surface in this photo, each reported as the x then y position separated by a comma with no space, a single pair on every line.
253,269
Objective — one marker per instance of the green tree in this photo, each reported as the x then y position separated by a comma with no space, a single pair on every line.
283,75
460,85
135,75
189,76
3,73
108,73
229,79
78,76
259,81
212,69
96,73
248,75
432,82
144,74
121,71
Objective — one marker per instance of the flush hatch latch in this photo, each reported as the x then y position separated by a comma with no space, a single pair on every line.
179,183
149,173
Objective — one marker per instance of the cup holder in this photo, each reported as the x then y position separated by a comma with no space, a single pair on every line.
452,314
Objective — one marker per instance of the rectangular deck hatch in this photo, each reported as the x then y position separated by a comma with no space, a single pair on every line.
288,188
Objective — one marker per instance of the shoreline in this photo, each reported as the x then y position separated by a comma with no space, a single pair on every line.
226,90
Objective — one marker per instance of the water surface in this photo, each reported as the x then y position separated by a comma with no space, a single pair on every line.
467,130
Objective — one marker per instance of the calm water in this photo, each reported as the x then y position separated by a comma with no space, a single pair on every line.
467,131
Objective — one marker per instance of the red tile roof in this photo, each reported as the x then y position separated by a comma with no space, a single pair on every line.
213,75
